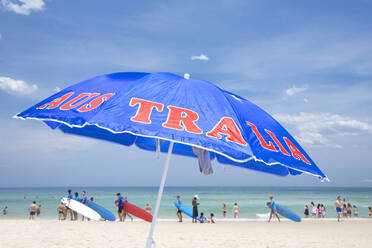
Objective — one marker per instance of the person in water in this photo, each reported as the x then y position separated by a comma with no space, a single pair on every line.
224,210
355,211
306,211
38,209
369,211
120,203
202,218
69,197
5,210
194,208
272,205
148,208
338,208
32,210
236,210
179,209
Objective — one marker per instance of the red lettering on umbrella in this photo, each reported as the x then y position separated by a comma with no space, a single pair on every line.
95,103
187,117
228,127
80,99
281,148
56,102
144,109
269,146
295,152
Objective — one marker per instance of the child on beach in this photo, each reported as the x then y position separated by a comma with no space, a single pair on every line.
319,209
272,205
323,210
224,210
236,210
202,218
213,220
179,210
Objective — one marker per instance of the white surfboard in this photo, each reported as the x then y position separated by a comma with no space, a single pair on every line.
81,208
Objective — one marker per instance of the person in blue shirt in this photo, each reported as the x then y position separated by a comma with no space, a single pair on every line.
272,205
179,210
120,206
126,213
84,201
76,198
69,197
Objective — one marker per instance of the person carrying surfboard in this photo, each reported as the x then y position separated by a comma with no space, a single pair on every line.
179,209
272,205
120,205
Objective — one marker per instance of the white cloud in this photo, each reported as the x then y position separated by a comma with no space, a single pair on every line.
13,86
316,129
294,90
200,57
306,100
23,7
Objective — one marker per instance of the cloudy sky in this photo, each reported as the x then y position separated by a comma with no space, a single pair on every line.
308,63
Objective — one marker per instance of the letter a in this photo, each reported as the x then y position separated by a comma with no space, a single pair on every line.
295,152
228,127
56,102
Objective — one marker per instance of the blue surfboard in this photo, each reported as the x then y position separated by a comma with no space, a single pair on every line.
105,214
187,210
286,213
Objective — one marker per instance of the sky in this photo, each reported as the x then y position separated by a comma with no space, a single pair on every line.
308,63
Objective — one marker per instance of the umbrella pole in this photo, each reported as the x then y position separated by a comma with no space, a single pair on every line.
150,241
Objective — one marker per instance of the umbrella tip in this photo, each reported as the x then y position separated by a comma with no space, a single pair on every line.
186,76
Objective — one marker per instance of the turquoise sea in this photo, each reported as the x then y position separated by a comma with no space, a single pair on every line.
251,200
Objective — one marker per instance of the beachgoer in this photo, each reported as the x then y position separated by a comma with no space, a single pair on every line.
213,220
38,210
344,210
349,209
32,210
355,211
272,205
306,211
313,210
76,198
69,197
62,211
338,207
120,206
91,199
323,210
126,213
319,209
202,218
194,208
224,210
236,210
84,200
5,210
148,208
179,210
369,211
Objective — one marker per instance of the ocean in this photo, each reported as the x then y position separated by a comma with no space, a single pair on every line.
251,200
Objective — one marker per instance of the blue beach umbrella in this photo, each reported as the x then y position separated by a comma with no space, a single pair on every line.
165,112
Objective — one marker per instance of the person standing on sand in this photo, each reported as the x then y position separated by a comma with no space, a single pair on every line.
76,198
32,209
148,208
194,208
62,211
84,201
179,210
306,211
69,197
338,207
126,213
224,210
38,210
213,220
313,210
5,210
236,210
120,206
369,211
272,205
355,211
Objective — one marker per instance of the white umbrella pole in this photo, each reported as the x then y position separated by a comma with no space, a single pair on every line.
150,241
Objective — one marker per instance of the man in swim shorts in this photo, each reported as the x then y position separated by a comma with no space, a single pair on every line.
272,205
120,206
32,209
338,207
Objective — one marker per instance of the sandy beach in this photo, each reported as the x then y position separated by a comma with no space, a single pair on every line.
50,233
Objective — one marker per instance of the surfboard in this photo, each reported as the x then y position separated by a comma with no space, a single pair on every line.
136,211
81,209
287,213
105,214
187,210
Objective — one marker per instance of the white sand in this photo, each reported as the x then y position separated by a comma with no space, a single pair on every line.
49,233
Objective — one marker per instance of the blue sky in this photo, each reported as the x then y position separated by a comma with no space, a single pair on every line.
309,63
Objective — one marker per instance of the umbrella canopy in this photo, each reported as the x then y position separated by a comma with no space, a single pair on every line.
140,108
168,113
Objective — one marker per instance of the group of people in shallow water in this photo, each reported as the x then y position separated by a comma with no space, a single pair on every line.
316,210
